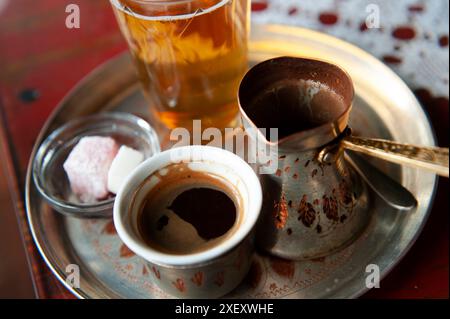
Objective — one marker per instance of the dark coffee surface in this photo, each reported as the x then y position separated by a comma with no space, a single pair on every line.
211,212
188,211
295,106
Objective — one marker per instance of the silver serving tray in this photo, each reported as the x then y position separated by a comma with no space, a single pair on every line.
384,107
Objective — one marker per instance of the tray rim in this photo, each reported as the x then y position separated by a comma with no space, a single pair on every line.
78,292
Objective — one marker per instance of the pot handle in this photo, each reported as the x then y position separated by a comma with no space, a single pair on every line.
435,159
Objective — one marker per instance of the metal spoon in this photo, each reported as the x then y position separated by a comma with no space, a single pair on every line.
392,192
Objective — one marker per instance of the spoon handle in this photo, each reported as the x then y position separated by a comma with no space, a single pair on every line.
392,192
435,159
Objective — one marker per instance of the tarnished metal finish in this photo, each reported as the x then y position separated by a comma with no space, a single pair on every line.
383,108
310,208
435,159
391,191
209,280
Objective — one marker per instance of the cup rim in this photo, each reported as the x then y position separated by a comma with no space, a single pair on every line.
161,3
163,159
164,2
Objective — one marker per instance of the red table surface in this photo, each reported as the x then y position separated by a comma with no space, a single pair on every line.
39,55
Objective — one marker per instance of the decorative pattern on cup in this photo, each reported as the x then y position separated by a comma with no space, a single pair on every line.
197,279
220,278
179,284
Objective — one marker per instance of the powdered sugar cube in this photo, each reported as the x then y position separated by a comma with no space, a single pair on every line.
87,167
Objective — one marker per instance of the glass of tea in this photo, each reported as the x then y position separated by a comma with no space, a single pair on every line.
190,56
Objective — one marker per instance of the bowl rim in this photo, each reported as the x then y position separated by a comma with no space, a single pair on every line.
71,208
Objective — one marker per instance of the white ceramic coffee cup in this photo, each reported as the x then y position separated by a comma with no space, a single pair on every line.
209,273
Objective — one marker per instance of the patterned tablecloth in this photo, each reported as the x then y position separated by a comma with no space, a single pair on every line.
411,36
40,61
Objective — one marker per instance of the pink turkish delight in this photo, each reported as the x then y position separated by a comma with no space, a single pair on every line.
87,167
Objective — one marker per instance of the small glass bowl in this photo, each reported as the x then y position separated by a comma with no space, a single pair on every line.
50,177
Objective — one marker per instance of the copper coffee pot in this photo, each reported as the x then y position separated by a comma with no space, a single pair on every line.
314,202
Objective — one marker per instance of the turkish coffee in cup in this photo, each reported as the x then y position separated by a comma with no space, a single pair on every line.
188,211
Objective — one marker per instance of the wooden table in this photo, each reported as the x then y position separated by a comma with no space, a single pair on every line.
41,60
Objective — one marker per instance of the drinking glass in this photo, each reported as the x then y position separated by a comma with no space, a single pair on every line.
190,56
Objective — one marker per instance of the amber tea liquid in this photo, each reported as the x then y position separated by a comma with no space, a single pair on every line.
190,56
